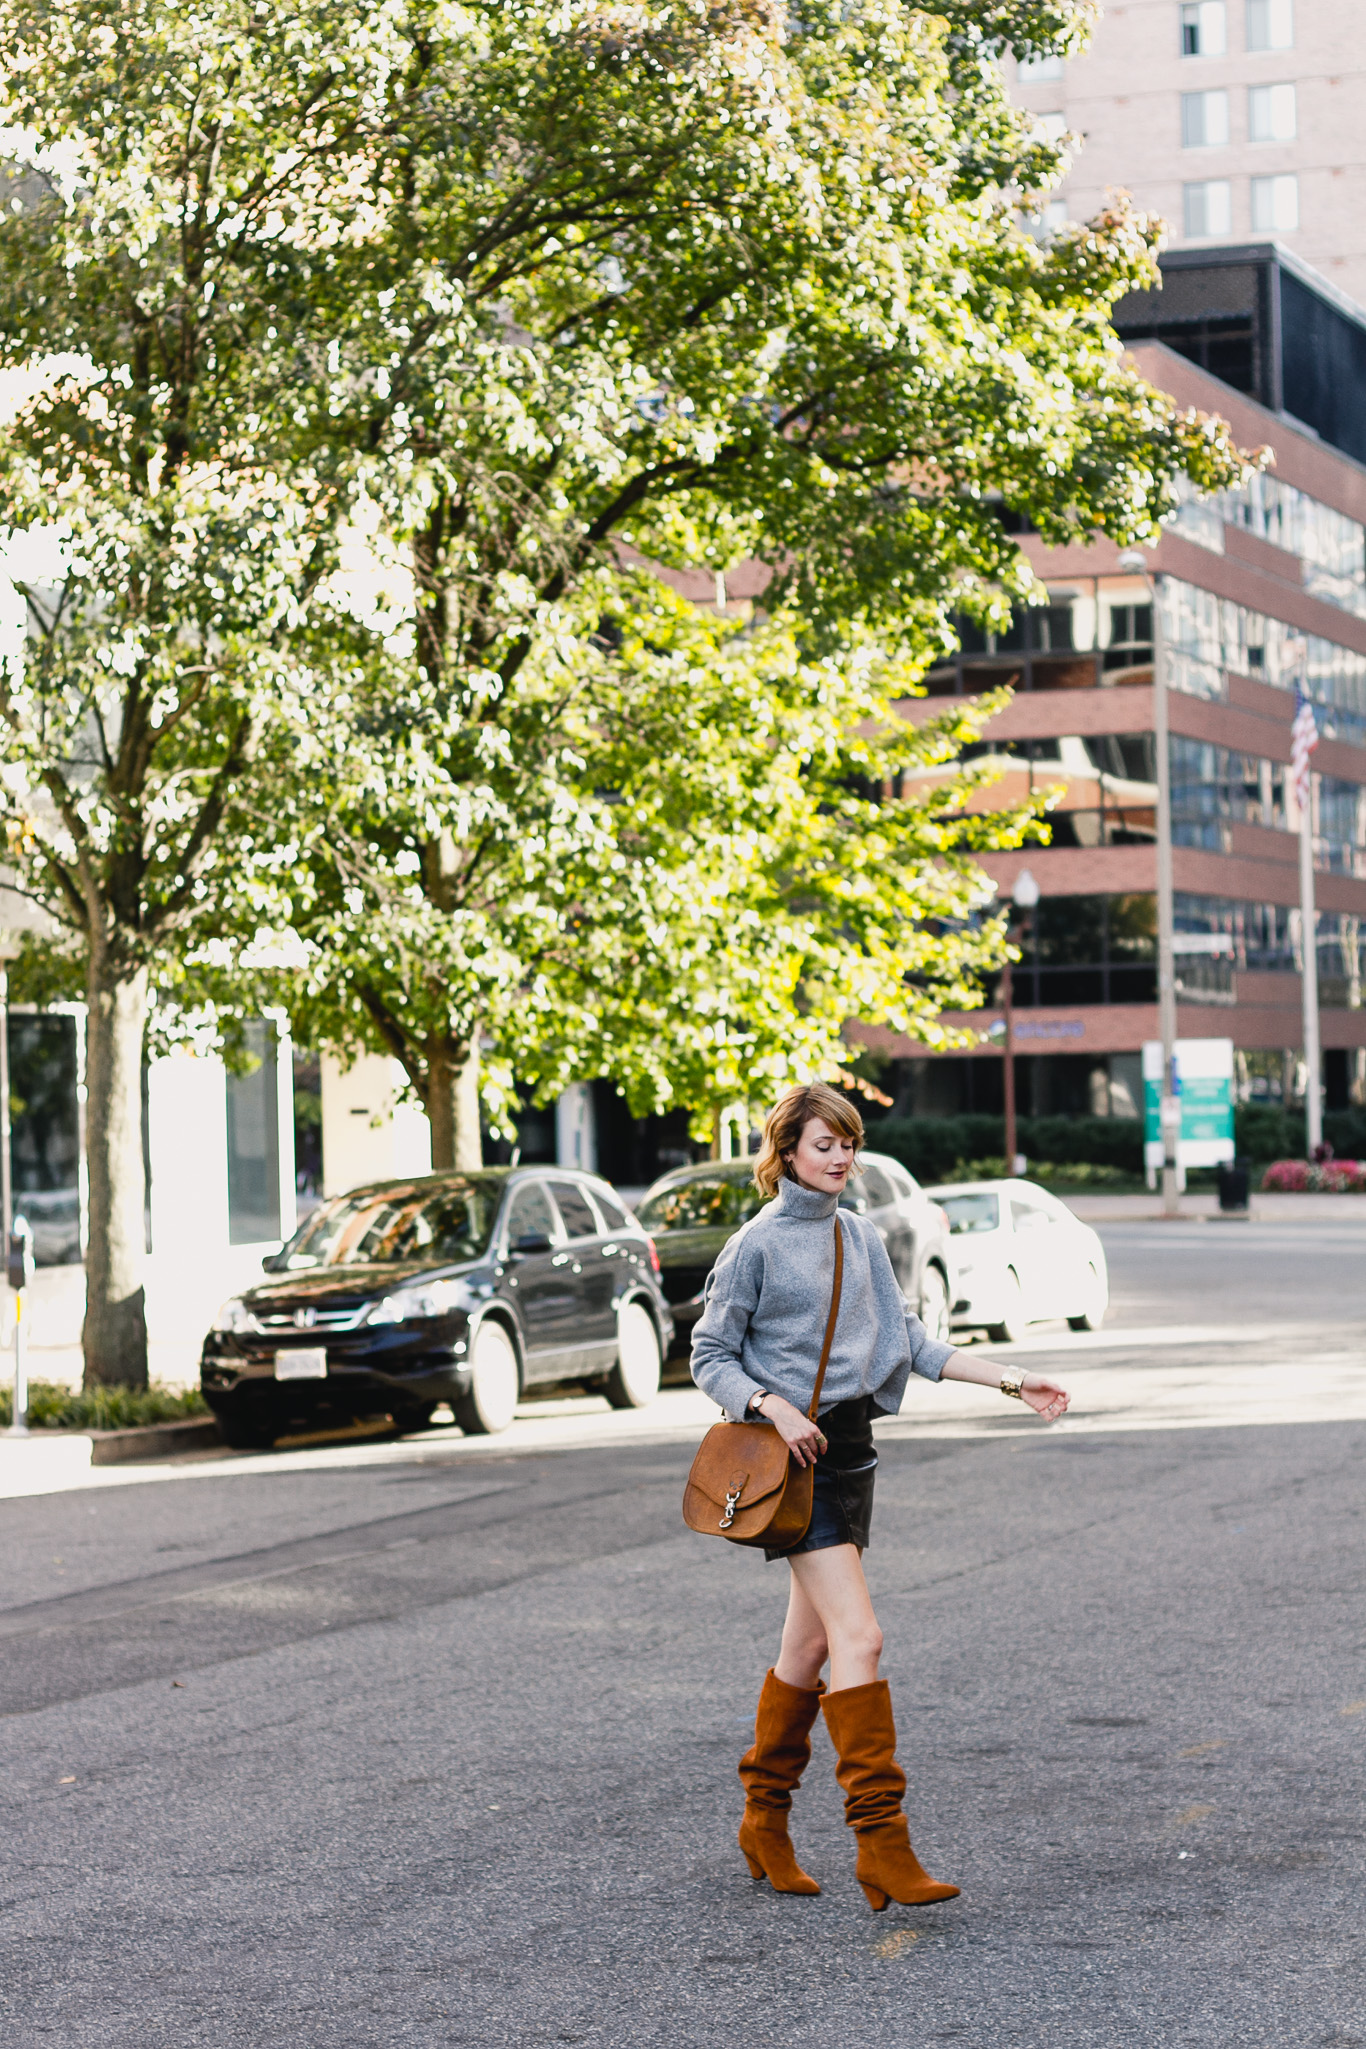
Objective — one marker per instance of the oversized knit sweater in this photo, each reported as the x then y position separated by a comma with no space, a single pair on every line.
767,1300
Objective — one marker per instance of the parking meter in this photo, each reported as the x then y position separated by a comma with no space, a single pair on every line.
20,1254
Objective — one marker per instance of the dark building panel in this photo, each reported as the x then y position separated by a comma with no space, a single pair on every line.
1266,325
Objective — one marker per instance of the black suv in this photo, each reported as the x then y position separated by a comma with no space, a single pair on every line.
459,1288
692,1212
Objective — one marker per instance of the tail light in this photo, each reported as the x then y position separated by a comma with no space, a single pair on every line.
654,1255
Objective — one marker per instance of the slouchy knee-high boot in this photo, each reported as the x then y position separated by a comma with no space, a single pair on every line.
863,1732
769,1772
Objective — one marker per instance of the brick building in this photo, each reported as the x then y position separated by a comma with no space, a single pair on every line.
1259,588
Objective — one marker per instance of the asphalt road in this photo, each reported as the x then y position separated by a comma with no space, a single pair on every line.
444,1752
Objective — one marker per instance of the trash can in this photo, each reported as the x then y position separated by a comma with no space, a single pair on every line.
1234,1176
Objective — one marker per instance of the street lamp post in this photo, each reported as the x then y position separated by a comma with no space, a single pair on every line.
1134,562
1024,895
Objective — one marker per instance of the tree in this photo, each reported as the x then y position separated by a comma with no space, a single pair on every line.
678,866
179,176
702,283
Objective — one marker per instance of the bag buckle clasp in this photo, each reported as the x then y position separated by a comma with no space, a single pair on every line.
732,1498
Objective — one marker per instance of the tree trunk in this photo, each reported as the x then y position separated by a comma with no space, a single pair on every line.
114,1338
453,1104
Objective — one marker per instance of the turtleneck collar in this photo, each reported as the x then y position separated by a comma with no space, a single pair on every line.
804,1204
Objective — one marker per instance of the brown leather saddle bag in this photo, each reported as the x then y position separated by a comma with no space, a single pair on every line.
745,1484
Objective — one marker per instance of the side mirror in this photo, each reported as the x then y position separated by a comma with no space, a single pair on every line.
529,1243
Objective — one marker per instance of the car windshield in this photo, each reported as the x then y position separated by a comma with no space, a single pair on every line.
970,1212
694,1205
381,1227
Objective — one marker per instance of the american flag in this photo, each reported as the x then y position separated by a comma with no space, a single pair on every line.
1304,738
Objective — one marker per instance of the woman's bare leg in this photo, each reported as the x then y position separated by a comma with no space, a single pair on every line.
804,1648
834,1592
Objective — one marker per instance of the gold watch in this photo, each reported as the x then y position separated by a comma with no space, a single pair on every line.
1014,1388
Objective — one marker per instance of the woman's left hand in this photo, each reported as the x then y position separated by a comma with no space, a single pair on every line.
1044,1397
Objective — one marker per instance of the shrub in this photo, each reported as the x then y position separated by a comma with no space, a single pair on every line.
1333,1177
52,1407
932,1147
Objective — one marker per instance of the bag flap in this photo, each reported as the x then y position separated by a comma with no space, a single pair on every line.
750,1457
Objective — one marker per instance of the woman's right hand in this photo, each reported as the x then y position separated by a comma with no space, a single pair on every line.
802,1437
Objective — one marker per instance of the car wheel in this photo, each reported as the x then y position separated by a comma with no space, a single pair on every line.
934,1303
1012,1326
250,1431
491,1402
634,1381
1097,1302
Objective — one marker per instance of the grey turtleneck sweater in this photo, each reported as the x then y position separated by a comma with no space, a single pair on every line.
767,1300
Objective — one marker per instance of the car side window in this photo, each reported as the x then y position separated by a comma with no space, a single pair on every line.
905,1184
613,1215
530,1214
579,1220
877,1187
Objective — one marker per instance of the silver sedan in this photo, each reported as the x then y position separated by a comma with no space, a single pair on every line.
1021,1257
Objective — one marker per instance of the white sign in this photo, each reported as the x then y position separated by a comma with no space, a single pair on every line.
1204,1077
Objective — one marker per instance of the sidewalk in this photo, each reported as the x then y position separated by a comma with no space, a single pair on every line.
181,1304
1273,1208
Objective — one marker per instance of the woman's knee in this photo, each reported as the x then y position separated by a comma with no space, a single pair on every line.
861,1639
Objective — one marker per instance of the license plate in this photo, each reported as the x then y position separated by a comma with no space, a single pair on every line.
303,1364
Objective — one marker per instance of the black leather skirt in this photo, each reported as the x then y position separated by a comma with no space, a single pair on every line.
842,1490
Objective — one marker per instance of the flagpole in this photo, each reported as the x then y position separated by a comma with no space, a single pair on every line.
1309,979
1304,739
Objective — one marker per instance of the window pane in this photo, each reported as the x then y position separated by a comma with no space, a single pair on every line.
1034,69
530,1214
1271,113
1275,204
1203,29
1209,207
1270,24
579,1220
402,1223
614,1215
874,1184
1204,120
971,1212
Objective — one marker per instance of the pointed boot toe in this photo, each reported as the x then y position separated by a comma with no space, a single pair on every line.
769,1854
888,1869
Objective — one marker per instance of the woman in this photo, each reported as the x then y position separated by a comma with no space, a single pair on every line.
754,1352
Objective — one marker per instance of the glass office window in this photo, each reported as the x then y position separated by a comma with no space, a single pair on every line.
1208,207
1275,204
1204,29
1204,120
1270,24
1271,113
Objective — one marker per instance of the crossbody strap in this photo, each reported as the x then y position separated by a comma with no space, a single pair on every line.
814,1409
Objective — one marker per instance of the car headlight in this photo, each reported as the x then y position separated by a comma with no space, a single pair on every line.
410,1305
234,1316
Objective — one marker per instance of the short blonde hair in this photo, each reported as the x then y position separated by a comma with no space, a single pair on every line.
788,1119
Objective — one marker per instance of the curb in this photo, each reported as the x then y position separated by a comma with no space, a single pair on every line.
152,1440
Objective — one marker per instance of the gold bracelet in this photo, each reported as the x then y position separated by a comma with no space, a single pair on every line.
1014,1388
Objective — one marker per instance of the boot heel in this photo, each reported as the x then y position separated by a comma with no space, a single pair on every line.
756,1869
877,1898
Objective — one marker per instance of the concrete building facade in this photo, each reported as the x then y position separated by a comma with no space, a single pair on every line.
1233,119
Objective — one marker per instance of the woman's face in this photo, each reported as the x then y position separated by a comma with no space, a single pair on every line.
822,1159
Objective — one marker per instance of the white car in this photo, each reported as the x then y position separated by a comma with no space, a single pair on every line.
1020,1257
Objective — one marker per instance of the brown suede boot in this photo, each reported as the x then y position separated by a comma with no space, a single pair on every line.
769,1772
859,1719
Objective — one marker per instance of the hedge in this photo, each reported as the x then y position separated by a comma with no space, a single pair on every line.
932,1146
